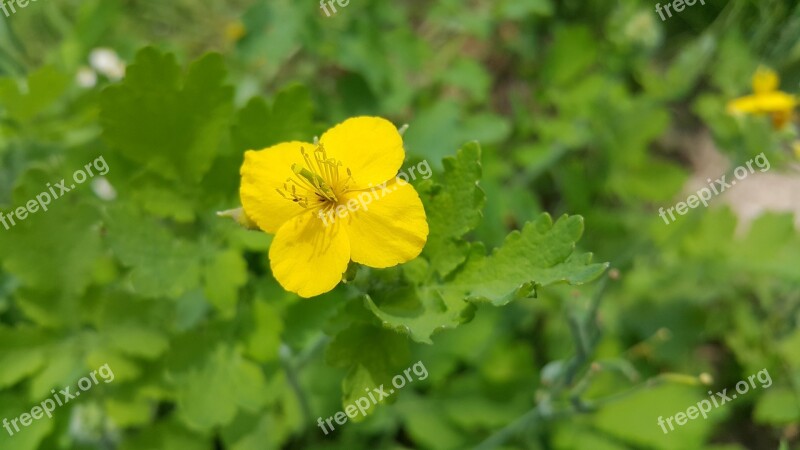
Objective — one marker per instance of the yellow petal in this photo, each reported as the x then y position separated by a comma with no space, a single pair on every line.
765,80
263,172
777,102
370,147
747,104
307,257
386,227
764,103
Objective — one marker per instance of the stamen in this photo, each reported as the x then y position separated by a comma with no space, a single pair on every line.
319,177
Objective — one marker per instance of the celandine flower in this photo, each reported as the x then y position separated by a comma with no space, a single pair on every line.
290,189
766,99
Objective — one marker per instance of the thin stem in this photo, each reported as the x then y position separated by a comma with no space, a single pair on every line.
592,314
304,357
526,421
543,410
294,383
677,378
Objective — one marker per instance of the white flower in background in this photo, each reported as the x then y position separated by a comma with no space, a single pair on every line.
642,30
106,61
103,189
90,425
86,77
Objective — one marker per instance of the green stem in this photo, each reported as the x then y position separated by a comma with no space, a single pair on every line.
304,357
294,384
543,410
677,378
526,421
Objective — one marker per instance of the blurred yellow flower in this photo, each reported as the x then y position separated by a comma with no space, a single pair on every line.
766,99
290,188
234,31
765,81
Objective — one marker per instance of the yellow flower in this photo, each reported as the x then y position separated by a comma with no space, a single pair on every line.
765,81
766,99
308,196
234,31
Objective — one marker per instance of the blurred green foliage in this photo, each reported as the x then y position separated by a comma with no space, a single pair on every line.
579,108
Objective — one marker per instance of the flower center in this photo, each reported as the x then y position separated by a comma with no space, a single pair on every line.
317,182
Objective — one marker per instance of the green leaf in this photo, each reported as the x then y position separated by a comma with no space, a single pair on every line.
684,71
223,276
290,118
470,76
64,366
211,395
787,349
28,438
624,419
169,124
486,128
420,312
265,432
24,102
21,354
372,356
771,247
542,253
569,436
474,411
161,263
125,369
136,340
129,413
429,426
734,64
434,131
53,250
165,435
265,341
573,51
162,200
509,9
453,208
777,406
305,319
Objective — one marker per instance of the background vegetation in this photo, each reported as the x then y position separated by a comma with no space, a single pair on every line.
594,108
